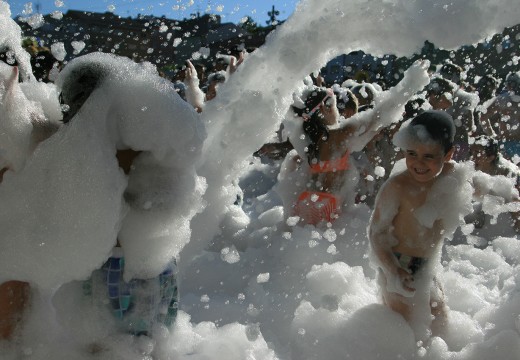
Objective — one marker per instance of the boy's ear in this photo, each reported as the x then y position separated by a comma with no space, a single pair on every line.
449,154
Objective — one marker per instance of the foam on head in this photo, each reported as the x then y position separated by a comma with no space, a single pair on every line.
430,126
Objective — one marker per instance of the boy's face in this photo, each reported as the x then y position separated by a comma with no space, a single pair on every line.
425,161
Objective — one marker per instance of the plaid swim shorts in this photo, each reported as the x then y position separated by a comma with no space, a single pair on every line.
140,303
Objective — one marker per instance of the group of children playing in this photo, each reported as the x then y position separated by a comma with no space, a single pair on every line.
408,224
409,220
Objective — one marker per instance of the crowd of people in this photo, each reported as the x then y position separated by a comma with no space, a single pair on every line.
342,139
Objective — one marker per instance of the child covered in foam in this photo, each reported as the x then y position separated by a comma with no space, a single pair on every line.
419,206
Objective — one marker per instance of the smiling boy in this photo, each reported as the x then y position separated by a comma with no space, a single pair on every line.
402,242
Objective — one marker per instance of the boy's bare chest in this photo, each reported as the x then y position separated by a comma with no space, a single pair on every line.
414,238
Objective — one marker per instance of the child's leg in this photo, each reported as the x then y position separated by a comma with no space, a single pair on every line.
438,308
396,303
13,298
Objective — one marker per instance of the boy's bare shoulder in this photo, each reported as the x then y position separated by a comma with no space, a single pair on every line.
395,184
398,180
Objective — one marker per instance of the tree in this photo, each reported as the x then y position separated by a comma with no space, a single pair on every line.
272,17
249,24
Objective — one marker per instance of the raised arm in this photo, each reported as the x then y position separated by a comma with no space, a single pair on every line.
234,63
487,116
389,106
194,95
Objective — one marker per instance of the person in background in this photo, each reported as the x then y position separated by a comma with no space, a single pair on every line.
502,116
485,153
333,176
446,95
486,88
197,96
347,105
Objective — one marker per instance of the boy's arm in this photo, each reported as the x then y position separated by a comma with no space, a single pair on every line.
380,230
382,240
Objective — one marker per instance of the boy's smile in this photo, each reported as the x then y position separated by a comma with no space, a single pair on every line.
425,161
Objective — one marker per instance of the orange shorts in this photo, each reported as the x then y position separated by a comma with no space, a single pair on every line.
314,207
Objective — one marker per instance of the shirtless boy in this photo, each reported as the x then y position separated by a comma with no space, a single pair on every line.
401,244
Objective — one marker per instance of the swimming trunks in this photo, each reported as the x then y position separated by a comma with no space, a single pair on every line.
314,207
410,263
139,303
338,164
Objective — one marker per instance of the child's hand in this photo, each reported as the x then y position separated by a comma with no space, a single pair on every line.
416,76
191,72
404,283
234,62
406,279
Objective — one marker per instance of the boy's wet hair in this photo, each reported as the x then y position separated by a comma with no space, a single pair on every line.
439,126
217,77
